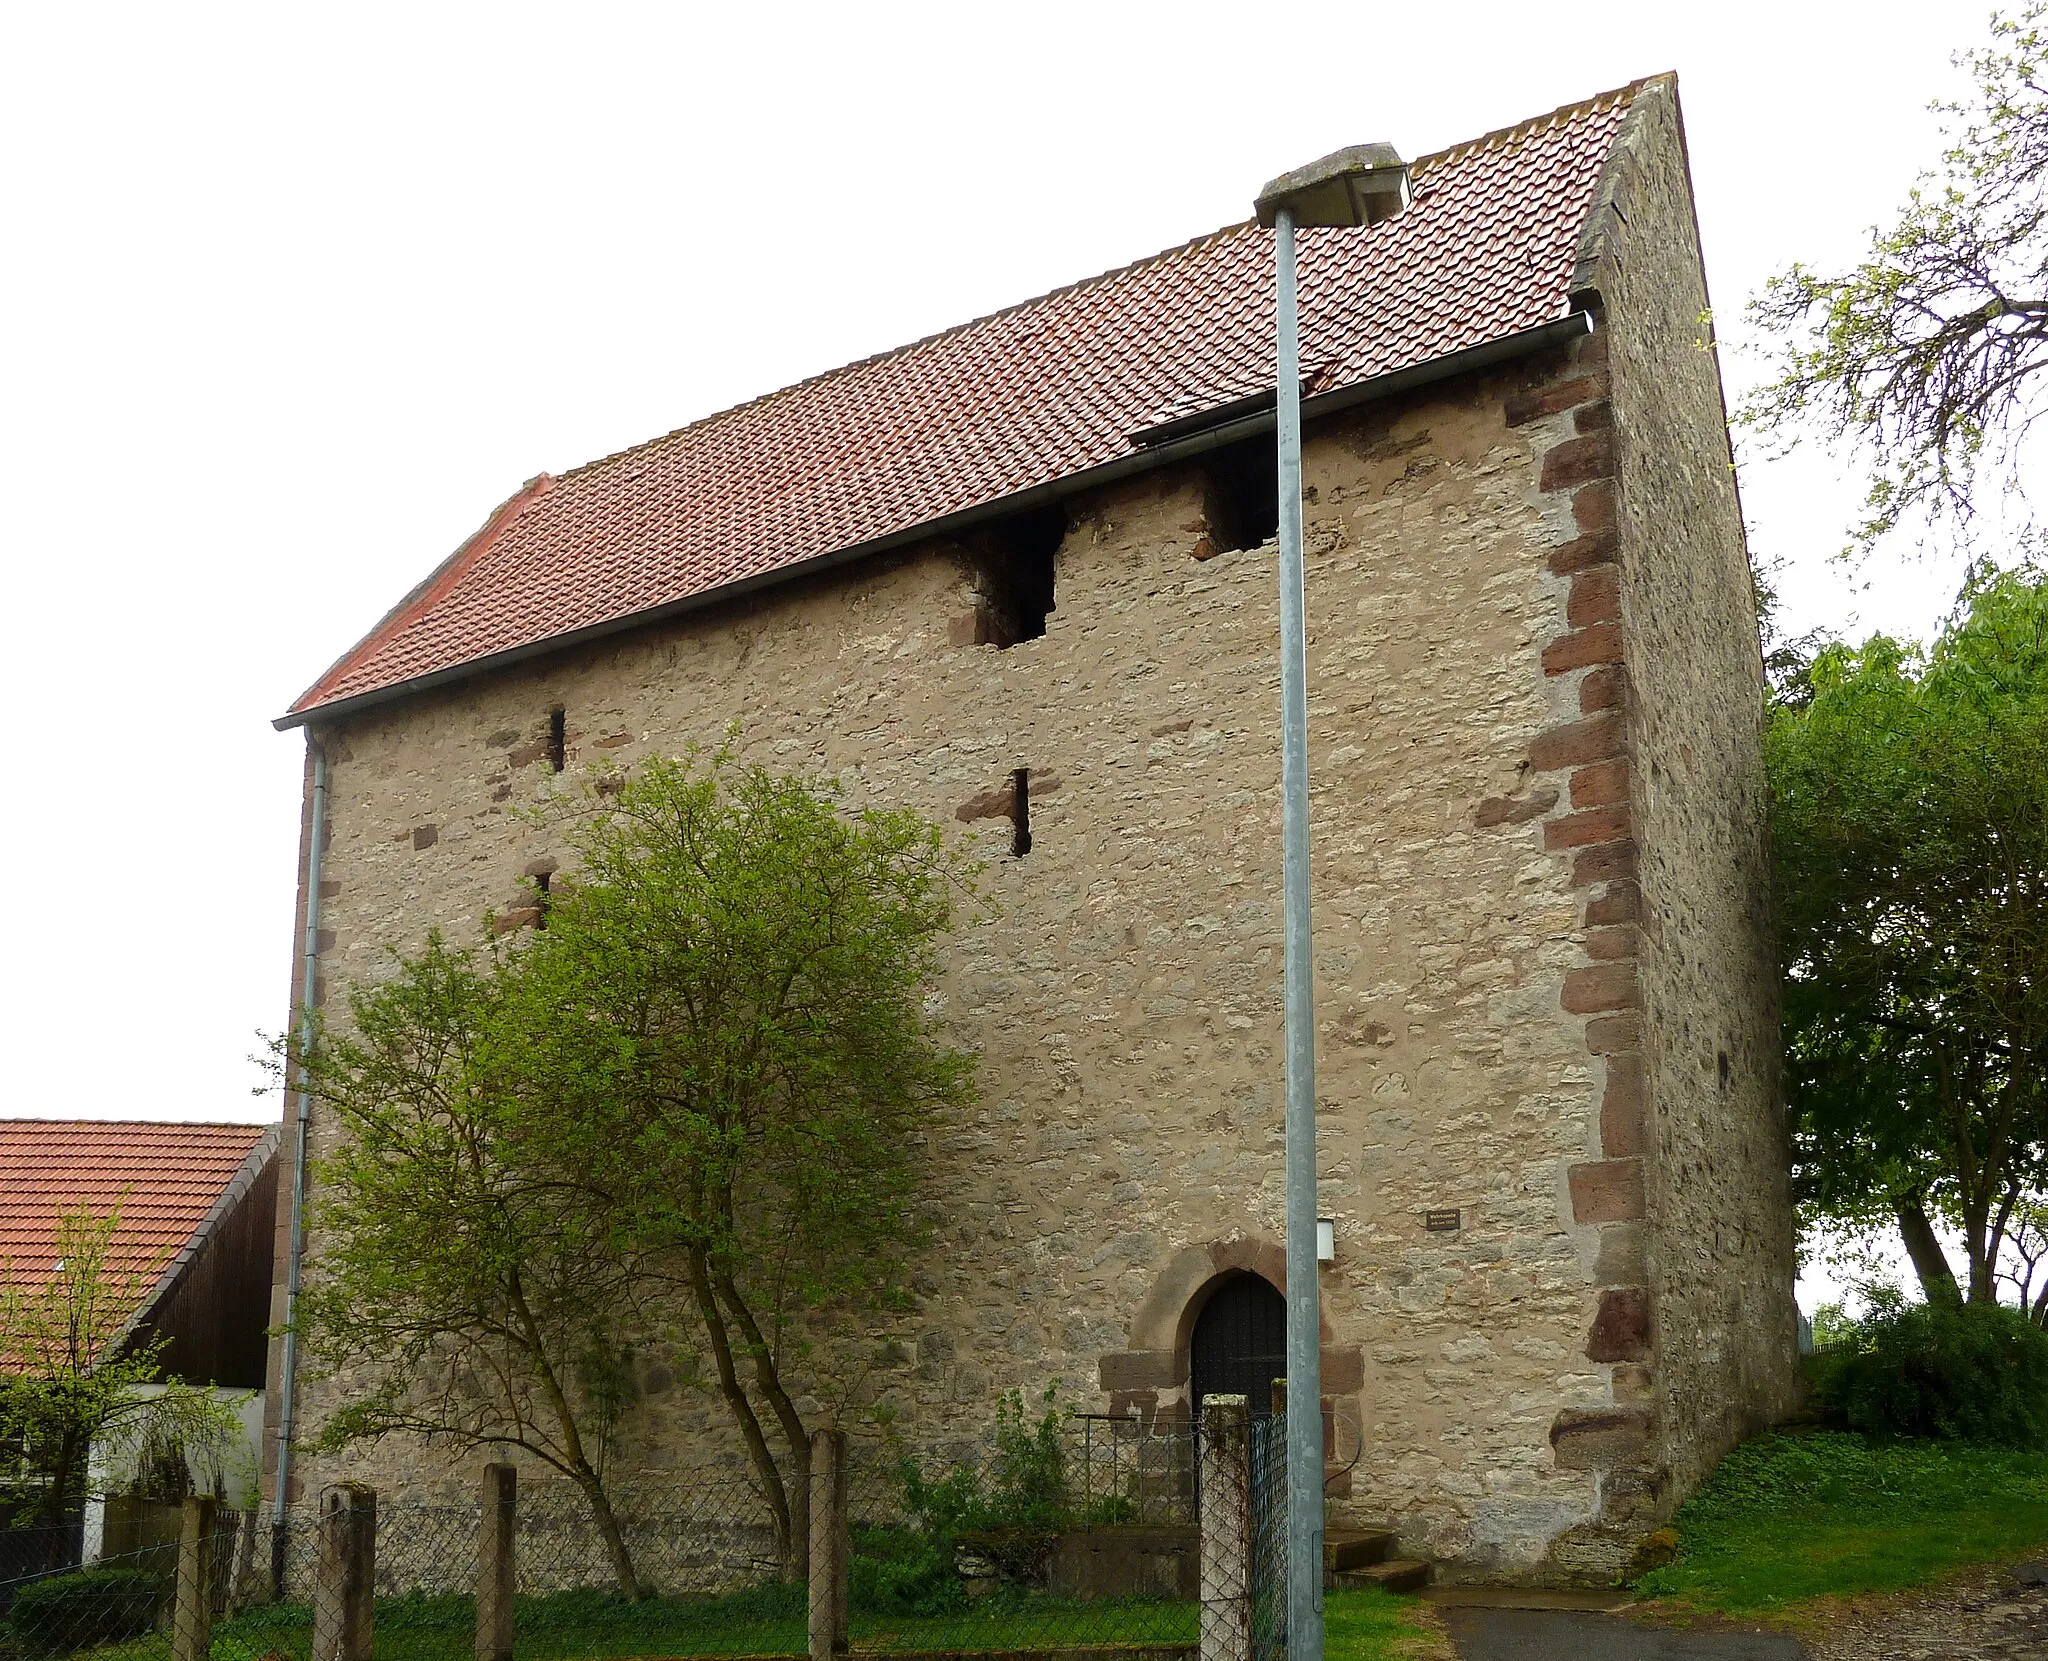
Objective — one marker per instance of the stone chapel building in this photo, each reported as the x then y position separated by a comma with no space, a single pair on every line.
1021,576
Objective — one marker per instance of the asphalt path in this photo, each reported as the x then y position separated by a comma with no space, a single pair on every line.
1562,1635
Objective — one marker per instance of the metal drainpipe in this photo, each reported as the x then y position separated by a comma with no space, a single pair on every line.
310,957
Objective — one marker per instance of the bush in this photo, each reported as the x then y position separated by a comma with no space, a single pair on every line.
904,1571
78,1611
1005,1512
1948,1372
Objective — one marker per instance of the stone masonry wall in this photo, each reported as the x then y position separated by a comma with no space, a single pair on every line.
1716,1295
1126,1003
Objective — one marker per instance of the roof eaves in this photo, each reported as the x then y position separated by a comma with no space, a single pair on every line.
435,584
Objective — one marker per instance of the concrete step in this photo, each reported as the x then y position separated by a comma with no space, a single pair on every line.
1400,1574
1355,1548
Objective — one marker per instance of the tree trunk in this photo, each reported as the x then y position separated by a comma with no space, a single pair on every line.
1937,1279
736,1400
600,1504
578,1464
56,1509
796,1562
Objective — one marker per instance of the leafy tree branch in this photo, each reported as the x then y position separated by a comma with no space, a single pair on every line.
1926,357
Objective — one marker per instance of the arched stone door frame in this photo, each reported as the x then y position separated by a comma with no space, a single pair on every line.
1150,1375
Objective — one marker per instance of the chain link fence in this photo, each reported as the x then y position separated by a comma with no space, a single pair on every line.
1077,1532
1266,1553
126,1602
1130,1540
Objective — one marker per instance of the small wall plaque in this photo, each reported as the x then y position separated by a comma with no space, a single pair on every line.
1443,1222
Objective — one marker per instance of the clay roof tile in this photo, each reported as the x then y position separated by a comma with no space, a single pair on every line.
1026,396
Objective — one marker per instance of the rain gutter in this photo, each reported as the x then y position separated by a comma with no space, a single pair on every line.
316,836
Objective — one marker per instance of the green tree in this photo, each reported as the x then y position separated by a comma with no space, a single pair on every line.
731,1005
72,1379
1927,355
1910,831
695,1100
493,1316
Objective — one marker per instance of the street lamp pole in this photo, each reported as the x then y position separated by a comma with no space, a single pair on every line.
1358,186
1304,1311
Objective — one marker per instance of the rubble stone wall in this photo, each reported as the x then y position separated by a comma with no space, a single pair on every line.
1126,1002
1719,1243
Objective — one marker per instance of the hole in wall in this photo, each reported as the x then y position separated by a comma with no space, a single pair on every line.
1726,1070
1013,569
1242,495
558,739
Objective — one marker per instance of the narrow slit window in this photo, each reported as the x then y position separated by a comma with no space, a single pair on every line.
540,902
1020,811
558,738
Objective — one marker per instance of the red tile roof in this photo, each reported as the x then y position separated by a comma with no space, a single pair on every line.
164,1178
1026,397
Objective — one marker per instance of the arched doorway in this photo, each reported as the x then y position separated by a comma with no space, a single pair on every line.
1239,1344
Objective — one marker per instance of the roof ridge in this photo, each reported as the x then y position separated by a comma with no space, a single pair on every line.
1535,123
257,1125
1433,158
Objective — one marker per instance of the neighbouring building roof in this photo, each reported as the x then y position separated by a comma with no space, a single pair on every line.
1029,396
167,1180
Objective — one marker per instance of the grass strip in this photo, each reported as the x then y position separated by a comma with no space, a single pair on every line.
582,1626
1792,1517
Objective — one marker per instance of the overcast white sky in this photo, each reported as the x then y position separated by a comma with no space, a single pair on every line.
292,296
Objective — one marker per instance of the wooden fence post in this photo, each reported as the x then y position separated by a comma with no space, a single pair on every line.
192,1617
497,1528
830,1547
345,1574
1226,1525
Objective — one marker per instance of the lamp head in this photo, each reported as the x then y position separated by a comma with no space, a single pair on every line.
1360,185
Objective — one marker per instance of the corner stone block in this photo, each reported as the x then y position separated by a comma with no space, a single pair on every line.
1613,1032
1596,738
1594,508
1622,1259
1621,1329
1590,825
1607,1191
1595,597
1601,987
1343,1371
1525,407
1621,1107
1578,461
1601,785
1594,548
1601,1440
1611,945
1604,862
1620,902
1596,643
1604,688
